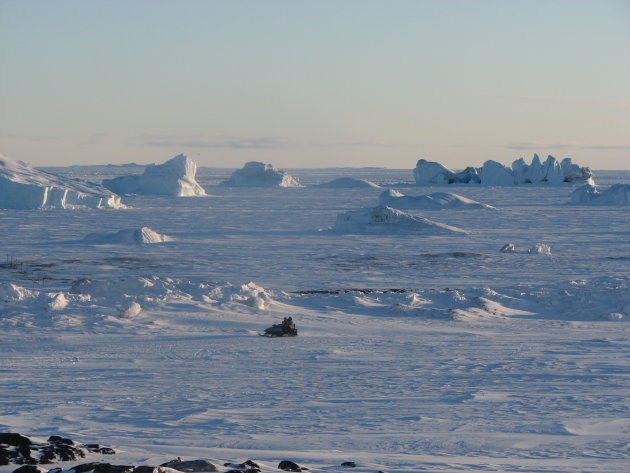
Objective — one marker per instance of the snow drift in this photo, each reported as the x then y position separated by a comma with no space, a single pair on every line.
383,218
492,173
617,194
435,201
127,236
175,177
24,187
348,183
256,174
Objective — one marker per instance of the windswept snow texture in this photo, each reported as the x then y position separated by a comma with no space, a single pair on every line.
348,183
434,201
23,187
617,194
387,219
176,177
127,236
492,173
256,174
416,352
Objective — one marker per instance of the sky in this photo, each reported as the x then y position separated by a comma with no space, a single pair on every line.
327,83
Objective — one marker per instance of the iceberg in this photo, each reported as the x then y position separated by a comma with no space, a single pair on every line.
492,173
256,174
136,236
175,177
387,219
617,194
24,187
434,201
348,183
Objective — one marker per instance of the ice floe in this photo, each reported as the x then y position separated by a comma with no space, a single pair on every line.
492,173
175,177
257,174
24,187
387,219
434,201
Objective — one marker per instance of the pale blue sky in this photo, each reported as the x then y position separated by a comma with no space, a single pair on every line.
315,83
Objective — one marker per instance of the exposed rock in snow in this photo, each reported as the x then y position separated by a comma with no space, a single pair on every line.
435,201
127,236
285,329
383,218
24,187
493,173
508,248
175,177
540,249
348,182
256,174
617,194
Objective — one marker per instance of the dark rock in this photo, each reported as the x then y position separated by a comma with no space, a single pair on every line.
190,465
85,467
58,439
28,469
284,329
106,451
288,465
143,469
15,440
349,464
55,470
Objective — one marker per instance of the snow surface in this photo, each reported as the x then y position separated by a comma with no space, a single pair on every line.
416,352
617,194
492,173
175,177
434,201
256,174
24,187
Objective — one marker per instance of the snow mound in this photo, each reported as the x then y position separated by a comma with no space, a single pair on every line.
175,177
435,201
127,236
383,218
256,174
348,183
492,173
617,194
24,187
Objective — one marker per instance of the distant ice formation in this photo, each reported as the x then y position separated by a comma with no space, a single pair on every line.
128,236
256,174
617,194
175,177
435,201
347,183
383,218
492,173
24,187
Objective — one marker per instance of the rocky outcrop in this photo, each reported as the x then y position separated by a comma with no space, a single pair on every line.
285,329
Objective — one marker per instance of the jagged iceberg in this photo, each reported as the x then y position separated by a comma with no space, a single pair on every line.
24,187
175,177
348,183
386,219
434,201
617,194
492,173
256,174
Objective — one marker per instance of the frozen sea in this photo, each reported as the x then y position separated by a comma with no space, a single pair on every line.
415,352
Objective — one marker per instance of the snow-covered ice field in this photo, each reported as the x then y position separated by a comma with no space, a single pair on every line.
415,352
